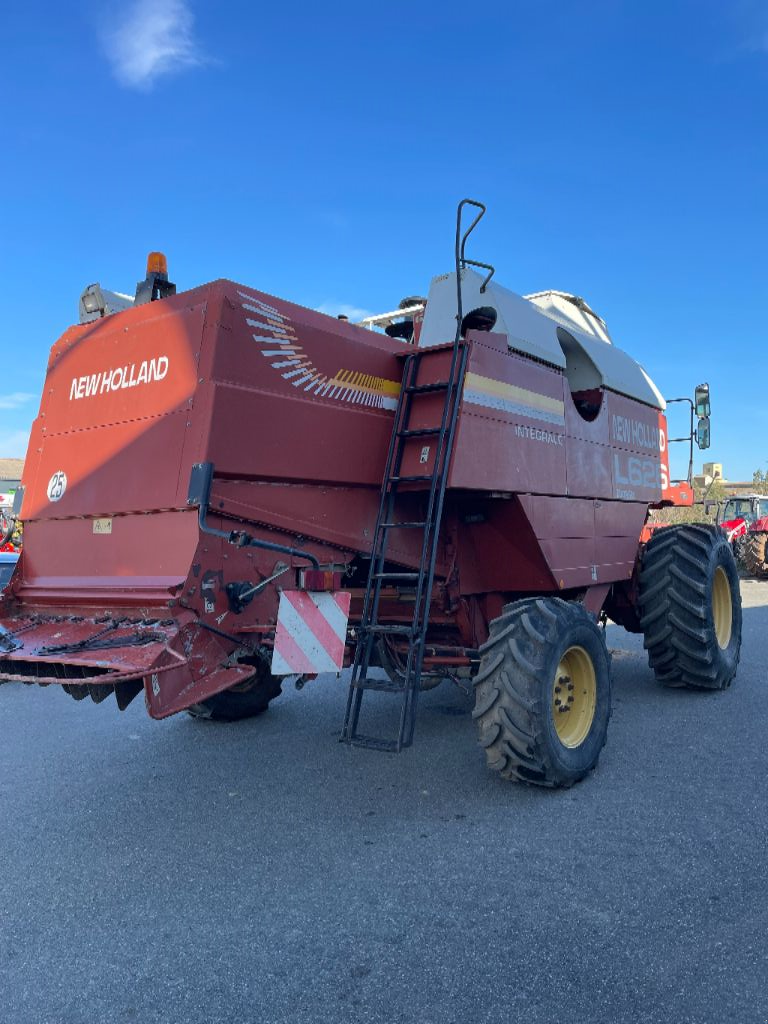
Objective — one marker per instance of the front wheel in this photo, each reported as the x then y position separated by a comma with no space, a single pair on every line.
690,607
543,693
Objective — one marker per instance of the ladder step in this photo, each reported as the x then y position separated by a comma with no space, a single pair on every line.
396,576
405,526
409,479
420,389
392,746
378,627
383,685
420,432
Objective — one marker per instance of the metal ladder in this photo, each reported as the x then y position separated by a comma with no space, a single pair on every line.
371,631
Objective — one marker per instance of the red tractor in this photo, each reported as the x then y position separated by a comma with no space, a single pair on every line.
744,519
224,490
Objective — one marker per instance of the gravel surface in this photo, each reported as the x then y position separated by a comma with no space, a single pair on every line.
187,871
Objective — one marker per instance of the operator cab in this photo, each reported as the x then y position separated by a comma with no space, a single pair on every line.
747,506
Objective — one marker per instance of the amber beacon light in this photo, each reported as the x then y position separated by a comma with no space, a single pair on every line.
157,264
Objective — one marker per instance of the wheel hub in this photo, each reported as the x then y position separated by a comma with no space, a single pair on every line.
722,607
574,697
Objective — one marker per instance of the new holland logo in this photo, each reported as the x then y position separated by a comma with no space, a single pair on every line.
129,376
277,338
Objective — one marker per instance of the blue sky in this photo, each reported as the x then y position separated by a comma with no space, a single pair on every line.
317,151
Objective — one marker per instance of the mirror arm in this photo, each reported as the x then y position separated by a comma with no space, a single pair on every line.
689,438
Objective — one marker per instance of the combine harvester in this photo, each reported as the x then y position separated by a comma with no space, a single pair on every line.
224,489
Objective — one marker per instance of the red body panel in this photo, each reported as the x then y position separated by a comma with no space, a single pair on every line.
734,528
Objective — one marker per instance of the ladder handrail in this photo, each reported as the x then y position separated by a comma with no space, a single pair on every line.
462,261
467,202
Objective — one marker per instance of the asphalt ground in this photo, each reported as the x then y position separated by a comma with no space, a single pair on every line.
187,871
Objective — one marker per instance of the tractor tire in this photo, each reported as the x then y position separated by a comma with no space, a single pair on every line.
690,607
543,655
245,700
754,556
737,546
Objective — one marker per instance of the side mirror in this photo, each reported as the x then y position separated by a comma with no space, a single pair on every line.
708,506
702,433
701,403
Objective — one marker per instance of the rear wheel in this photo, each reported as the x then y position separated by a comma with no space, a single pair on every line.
690,607
754,557
543,693
245,700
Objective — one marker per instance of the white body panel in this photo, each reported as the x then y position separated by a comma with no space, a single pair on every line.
592,360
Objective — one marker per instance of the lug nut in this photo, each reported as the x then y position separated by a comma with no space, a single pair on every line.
557,702
558,689
570,686
571,699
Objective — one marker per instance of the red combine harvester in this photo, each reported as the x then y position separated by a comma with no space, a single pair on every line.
224,489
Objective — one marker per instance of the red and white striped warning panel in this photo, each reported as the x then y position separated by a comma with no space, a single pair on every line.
311,630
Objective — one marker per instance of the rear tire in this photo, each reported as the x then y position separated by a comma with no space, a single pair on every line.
543,654
753,554
245,700
690,607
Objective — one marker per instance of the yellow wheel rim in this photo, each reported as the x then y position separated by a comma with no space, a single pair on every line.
574,697
722,607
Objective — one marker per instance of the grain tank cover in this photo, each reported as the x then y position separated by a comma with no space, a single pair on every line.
587,359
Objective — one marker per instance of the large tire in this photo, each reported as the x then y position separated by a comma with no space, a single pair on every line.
543,654
690,607
754,557
245,700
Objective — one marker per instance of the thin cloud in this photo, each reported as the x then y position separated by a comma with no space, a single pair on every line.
152,38
342,309
15,400
15,445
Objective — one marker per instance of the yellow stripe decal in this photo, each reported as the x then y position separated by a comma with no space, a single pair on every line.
521,396
359,382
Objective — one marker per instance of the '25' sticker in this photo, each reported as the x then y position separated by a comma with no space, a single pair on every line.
57,485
